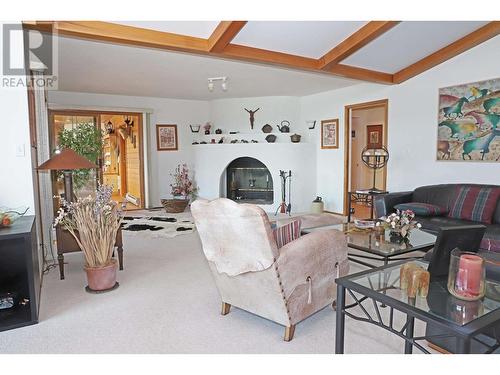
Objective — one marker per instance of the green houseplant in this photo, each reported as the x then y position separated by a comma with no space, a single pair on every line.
86,140
94,222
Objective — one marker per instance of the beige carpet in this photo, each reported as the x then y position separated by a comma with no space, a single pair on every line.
167,303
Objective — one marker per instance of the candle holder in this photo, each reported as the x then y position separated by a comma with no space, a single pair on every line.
195,128
466,275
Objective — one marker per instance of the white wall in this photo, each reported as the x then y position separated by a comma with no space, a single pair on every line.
412,126
16,182
163,111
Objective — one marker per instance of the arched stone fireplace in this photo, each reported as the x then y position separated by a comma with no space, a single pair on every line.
248,180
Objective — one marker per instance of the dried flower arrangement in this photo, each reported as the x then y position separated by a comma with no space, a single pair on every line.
94,223
183,185
401,222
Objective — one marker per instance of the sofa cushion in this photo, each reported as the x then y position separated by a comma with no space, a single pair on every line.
287,233
440,195
444,195
475,203
422,209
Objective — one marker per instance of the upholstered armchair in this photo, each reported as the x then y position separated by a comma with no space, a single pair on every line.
284,285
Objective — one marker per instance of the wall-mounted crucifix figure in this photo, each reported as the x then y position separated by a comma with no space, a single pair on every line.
252,116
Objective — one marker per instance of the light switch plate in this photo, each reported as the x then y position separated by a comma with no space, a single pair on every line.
20,150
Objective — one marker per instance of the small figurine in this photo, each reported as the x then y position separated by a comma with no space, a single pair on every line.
218,131
252,116
414,280
207,127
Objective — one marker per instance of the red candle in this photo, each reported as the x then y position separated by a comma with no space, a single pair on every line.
470,270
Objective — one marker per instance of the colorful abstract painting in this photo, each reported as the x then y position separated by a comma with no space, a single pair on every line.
468,127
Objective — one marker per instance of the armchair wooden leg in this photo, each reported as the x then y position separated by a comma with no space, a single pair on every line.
60,260
225,308
289,331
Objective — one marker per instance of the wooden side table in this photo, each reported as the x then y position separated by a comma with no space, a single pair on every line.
67,244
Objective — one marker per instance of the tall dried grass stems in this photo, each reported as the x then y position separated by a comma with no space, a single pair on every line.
94,223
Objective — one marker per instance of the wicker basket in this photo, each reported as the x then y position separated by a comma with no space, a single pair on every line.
175,206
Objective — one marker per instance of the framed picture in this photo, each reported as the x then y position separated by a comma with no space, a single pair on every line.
468,122
330,133
166,137
374,136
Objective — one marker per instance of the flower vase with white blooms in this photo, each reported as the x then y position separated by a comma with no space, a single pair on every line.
399,224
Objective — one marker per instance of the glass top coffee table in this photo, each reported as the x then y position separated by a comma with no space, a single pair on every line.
378,246
461,320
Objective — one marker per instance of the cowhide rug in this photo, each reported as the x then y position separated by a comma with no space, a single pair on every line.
158,226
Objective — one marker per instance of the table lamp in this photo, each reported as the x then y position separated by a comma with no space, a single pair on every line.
67,161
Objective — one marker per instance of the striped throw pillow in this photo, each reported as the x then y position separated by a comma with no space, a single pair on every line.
475,203
422,209
287,233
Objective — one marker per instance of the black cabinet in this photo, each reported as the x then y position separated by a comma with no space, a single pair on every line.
19,273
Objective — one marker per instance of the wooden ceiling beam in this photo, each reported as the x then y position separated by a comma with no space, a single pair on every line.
122,34
356,41
223,34
469,41
244,53
354,72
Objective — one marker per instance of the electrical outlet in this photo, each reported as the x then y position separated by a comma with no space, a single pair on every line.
20,150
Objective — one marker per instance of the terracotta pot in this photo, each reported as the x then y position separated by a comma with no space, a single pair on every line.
102,278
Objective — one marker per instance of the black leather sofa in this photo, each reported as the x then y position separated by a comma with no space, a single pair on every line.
441,195
444,195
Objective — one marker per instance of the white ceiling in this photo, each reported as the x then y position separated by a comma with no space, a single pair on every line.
200,29
409,42
303,38
88,66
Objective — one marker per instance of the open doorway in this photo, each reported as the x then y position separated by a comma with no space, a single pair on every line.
119,154
365,128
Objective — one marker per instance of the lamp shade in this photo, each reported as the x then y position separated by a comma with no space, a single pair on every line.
67,160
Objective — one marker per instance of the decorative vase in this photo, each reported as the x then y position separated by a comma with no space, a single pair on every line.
175,206
395,236
101,279
466,276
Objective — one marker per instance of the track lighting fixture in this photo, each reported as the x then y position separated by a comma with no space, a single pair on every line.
223,85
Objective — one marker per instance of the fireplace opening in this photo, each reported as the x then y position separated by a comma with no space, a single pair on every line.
249,181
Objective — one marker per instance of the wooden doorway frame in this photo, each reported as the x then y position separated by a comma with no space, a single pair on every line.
98,113
347,141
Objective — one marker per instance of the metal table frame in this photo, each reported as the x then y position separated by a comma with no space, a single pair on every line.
381,257
464,334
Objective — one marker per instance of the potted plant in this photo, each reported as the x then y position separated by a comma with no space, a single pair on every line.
182,190
94,222
399,225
